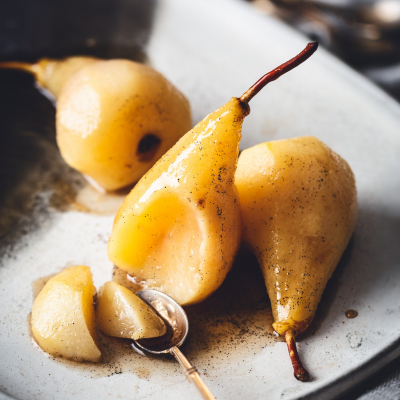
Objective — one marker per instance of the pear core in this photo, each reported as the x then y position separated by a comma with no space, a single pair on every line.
161,232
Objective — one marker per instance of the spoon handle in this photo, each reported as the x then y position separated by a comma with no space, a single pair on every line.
192,374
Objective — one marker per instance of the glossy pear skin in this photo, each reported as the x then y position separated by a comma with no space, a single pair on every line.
179,229
63,317
116,118
299,208
120,313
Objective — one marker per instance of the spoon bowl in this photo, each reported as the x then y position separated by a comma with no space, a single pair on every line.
174,317
177,324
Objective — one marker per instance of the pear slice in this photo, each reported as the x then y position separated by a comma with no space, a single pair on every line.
63,318
179,229
299,208
121,313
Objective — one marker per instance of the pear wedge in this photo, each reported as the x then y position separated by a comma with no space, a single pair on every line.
120,313
63,318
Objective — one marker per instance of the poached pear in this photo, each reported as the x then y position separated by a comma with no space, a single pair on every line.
180,227
299,208
114,118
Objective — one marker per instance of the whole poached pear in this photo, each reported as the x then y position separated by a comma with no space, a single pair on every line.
114,118
180,227
299,208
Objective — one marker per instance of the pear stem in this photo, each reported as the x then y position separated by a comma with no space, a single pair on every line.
31,68
279,71
300,373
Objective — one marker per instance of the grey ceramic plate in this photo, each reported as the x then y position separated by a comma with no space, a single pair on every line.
212,50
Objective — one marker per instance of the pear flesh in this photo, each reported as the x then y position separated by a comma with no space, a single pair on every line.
63,318
299,208
179,229
121,313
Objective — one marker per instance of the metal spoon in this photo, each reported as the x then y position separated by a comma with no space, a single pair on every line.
177,324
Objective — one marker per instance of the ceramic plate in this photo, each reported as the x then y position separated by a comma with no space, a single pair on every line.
212,50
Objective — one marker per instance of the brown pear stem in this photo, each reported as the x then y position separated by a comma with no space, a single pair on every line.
300,373
31,68
279,71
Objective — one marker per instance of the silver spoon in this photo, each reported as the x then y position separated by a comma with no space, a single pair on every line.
177,329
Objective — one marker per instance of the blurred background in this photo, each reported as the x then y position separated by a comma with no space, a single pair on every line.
363,33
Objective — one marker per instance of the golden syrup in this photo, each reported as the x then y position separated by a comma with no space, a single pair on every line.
351,314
